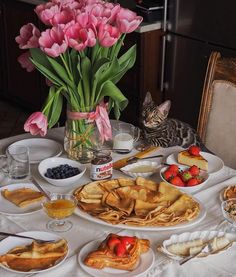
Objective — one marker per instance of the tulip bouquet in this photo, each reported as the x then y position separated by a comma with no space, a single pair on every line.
78,53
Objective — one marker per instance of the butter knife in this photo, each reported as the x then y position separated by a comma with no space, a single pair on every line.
135,159
25,237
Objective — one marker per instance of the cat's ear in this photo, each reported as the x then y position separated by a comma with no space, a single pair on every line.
164,107
147,99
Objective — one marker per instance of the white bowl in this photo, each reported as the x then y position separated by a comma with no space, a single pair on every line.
56,161
147,168
186,189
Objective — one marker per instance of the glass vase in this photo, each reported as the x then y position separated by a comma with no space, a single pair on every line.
81,138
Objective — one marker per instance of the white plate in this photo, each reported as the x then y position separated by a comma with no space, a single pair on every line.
40,149
206,236
215,164
8,208
145,228
145,263
10,242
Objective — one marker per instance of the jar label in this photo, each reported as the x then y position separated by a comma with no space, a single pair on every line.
101,171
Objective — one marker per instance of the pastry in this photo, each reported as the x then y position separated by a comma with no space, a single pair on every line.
229,193
120,252
22,197
185,158
35,256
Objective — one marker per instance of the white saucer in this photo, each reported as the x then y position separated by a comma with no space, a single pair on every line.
145,263
40,148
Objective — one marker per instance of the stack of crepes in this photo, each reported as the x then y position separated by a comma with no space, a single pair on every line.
139,202
35,256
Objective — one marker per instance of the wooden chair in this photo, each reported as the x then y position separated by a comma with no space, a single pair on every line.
217,116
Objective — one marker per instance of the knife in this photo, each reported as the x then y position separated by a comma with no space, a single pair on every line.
25,237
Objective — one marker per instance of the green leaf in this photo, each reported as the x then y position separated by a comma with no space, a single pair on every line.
40,58
55,108
86,73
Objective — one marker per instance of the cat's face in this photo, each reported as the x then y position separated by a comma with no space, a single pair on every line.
152,114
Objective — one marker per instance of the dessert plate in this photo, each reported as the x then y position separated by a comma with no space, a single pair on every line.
40,149
10,242
145,263
8,208
215,164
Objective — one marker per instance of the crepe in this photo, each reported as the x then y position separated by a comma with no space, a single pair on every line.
106,256
141,202
35,256
22,197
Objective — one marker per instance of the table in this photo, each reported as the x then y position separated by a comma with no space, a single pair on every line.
83,231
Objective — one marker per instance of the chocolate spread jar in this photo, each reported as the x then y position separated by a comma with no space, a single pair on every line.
101,166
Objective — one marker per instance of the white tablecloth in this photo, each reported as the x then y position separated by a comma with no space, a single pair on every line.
83,231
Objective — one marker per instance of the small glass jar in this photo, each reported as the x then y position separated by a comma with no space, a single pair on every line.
101,166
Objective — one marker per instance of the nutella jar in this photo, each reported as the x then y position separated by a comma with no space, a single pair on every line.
101,166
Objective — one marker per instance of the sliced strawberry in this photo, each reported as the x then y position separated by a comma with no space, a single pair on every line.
112,242
120,250
177,181
173,168
127,240
194,170
192,182
200,179
194,150
186,175
168,175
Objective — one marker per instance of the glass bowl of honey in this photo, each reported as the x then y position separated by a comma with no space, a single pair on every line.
59,207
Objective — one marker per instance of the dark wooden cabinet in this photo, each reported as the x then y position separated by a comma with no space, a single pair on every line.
145,75
26,89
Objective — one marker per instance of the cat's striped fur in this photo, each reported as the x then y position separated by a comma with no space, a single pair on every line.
159,130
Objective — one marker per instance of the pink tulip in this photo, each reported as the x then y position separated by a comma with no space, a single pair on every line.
53,42
29,36
46,12
107,35
25,62
36,124
127,21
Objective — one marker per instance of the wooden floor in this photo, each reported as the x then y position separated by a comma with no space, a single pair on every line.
12,119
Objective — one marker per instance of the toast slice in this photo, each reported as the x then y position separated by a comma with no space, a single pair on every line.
22,197
185,158
120,252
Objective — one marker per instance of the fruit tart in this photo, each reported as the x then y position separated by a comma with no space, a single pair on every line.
120,252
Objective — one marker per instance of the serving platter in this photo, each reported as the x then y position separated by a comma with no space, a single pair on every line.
145,263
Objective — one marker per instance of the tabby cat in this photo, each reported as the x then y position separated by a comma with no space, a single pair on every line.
158,130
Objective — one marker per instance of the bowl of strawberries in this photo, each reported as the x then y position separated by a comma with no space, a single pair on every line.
187,178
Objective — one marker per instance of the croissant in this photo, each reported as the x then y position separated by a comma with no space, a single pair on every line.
120,252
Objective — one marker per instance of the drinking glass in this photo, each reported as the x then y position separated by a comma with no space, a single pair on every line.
59,207
15,163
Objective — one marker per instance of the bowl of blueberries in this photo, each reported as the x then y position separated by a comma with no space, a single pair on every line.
60,171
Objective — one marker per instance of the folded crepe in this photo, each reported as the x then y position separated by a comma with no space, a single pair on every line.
35,256
106,256
22,197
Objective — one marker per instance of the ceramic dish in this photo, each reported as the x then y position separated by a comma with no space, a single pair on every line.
215,164
40,149
8,208
56,161
187,189
145,263
140,168
205,236
10,242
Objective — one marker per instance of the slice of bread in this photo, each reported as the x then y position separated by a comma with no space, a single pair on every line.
22,197
185,158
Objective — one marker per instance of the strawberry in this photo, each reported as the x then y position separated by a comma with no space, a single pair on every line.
127,240
194,170
186,175
177,181
112,242
173,168
200,179
192,182
120,249
194,150
167,175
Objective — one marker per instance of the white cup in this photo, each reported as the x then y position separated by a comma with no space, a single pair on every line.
15,164
124,136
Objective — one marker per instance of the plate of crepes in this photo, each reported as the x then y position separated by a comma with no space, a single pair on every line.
228,192
137,204
19,199
124,256
193,156
21,255
187,244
